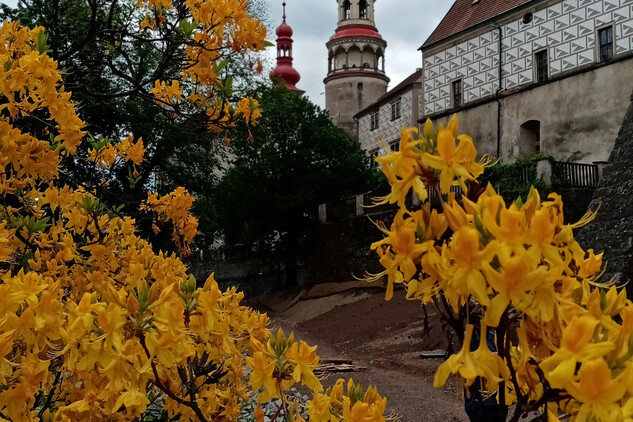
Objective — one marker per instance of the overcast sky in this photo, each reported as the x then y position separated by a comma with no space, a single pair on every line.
404,24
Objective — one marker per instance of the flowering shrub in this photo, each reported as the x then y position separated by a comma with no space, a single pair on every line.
95,325
564,340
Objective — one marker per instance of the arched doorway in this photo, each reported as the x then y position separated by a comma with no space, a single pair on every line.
530,138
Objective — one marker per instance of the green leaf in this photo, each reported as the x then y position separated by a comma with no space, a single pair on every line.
219,66
41,42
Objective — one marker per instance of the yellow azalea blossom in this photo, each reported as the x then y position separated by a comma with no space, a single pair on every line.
454,161
398,252
492,366
511,226
462,363
518,282
591,265
526,373
468,258
259,413
262,375
305,361
403,170
576,346
597,390
319,408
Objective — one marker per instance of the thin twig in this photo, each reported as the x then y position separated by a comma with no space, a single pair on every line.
158,383
3,416
277,412
49,399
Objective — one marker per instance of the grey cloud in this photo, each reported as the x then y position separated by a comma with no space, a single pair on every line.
404,24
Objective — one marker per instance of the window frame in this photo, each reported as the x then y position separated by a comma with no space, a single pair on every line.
396,109
457,93
374,120
395,145
363,13
347,10
373,154
539,76
599,45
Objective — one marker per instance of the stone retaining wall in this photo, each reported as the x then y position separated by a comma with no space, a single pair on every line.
612,230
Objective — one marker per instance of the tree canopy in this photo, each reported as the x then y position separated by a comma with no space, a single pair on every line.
293,160
116,57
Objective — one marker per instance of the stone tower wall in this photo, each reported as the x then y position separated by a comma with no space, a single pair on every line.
347,95
356,73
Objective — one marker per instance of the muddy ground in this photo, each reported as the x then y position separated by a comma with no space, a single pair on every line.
351,322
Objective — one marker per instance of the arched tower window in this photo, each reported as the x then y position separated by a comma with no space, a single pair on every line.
362,9
347,10
381,64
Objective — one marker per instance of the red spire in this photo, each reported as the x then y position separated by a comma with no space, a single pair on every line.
284,69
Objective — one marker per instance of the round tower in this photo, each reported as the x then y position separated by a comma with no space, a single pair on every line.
284,70
356,63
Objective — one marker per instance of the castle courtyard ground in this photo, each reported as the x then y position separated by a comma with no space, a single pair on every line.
381,342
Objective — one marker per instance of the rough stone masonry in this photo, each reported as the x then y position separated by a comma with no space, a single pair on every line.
612,230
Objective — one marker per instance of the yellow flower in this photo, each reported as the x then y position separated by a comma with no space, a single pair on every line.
469,259
319,408
576,345
403,170
454,161
398,251
462,362
262,375
597,390
521,282
132,399
305,361
492,366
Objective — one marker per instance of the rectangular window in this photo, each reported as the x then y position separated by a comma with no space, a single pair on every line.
374,121
541,66
457,93
395,145
395,110
605,38
373,154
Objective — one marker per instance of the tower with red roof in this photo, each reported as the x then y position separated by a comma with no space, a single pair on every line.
356,63
284,70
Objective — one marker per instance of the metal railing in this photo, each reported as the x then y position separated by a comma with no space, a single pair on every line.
342,209
433,193
574,175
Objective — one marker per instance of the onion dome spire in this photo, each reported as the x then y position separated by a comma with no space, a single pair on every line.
284,69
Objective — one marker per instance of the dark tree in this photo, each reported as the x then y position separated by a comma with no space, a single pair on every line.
296,160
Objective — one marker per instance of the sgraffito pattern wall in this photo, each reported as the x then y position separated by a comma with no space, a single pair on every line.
567,30
388,129
474,61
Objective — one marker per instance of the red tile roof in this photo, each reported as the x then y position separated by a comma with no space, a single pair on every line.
355,31
465,14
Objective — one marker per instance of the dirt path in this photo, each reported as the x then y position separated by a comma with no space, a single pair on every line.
385,337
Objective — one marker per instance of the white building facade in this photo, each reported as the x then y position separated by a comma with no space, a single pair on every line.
533,76
380,124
